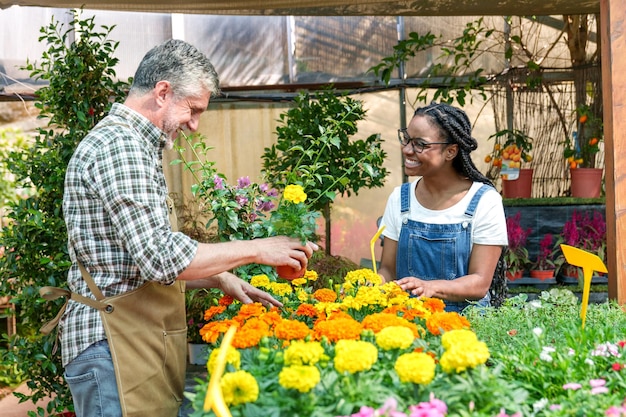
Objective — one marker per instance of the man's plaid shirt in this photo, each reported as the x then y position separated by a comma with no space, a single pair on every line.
117,220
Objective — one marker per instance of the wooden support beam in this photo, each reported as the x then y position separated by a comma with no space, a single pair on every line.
613,49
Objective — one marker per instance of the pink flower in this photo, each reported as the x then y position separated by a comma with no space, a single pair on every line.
572,385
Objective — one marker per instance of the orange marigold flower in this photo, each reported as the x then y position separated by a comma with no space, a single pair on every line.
210,332
272,318
378,321
225,300
435,305
338,329
446,321
250,334
250,310
291,330
213,311
325,295
306,310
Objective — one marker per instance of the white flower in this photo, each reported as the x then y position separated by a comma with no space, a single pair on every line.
534,304
540,405
538,331
545,354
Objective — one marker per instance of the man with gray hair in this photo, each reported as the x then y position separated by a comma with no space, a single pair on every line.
123,334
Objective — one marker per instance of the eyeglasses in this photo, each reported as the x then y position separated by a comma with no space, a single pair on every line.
417,144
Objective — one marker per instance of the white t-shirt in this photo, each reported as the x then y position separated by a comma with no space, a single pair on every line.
488,223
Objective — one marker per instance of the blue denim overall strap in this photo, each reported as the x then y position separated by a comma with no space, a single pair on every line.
436,251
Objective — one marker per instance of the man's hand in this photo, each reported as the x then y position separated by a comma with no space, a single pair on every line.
241,290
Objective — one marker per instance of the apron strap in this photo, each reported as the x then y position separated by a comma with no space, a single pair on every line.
53,293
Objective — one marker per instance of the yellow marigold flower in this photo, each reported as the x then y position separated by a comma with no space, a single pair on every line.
280,288
338,329
458,337
294,193
303,353
299,377
291,330
302,296
325,295
415,367
354,356
239,387
395,337
298,282
460,357
445,321
260,281
233,357
363,276
310,275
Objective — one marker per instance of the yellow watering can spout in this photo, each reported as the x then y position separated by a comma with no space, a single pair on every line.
589,263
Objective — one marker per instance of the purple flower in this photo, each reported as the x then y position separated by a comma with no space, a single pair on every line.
219,182
243,182
241,200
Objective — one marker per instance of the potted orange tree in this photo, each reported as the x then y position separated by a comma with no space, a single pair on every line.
580,153
510,151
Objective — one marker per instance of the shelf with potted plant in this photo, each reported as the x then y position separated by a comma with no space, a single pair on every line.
510,151
584,230
516,255
580,153
549,258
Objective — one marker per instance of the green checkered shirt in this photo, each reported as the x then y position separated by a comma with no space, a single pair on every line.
115,209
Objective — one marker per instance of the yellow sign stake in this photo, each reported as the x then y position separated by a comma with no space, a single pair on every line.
214,398
589,263
372,243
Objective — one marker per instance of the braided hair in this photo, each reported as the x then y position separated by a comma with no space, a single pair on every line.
454,125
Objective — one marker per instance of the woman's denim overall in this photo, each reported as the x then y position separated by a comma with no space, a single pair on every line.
436,251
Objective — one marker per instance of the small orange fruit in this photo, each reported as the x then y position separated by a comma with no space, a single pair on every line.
583,118
593,141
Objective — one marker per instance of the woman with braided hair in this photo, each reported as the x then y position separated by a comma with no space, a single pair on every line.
445,231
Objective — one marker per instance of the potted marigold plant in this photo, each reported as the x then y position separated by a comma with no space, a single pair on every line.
516,255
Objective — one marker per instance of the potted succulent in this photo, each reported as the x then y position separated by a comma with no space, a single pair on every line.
516,256
511,149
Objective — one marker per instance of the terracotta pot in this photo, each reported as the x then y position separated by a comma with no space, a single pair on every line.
289,273
513,277
586,182
519,188
542,273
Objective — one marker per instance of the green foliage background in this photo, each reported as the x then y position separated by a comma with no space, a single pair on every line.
80,91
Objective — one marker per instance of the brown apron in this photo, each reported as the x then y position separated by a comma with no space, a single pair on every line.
147,334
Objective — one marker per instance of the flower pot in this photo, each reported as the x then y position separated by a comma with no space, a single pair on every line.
586,182
198,353
513,276
289,273
519,188
542,274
